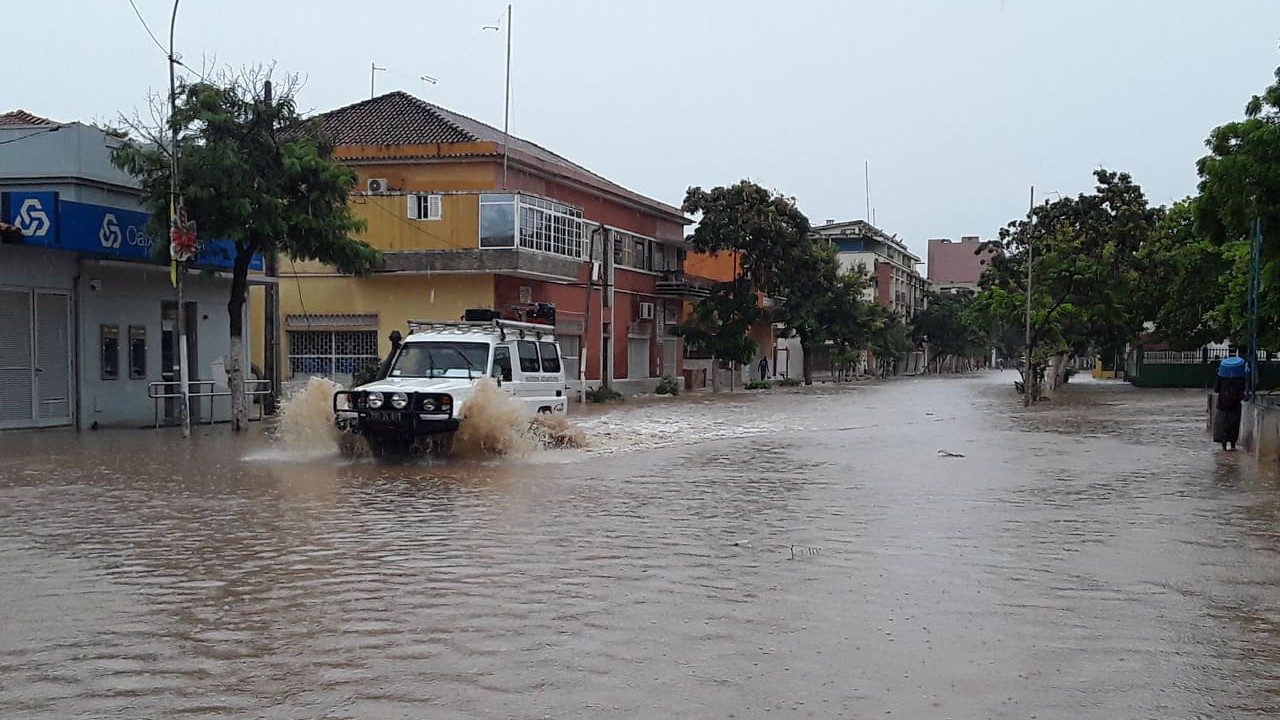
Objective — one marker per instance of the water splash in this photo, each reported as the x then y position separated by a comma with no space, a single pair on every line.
555,432
493,423
305,422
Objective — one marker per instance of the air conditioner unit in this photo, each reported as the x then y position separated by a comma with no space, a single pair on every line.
377,185
646,311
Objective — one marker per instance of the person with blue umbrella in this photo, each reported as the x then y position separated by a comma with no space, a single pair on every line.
1230,389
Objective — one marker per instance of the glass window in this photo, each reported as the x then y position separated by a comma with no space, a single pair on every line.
137,352
497,221
550,357
548,226
110,341
502,362
529,362
441,359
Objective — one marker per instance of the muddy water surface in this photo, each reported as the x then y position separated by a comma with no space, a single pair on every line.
806,554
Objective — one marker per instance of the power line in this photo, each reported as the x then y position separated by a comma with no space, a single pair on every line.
148,28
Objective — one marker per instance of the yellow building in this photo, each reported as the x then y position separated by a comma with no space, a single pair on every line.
468,218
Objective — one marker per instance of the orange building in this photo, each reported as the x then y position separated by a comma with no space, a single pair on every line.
703,270
466,217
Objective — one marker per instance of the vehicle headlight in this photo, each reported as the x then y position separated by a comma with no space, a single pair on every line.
399,400
437,403
374,400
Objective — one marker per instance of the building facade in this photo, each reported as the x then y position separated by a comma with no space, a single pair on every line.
957,266
87,319
891,267
468,218
703,271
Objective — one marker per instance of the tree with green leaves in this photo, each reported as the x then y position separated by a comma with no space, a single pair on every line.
1203,283
769,238
720,324
254,172
951,328
888,338
823,306
1086,275
1240,183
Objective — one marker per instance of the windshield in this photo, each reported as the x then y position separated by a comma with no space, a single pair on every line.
441,360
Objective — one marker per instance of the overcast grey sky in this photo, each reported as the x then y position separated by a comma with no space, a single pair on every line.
958,105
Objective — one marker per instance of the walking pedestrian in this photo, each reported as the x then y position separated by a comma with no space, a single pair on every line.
764,369
1230,391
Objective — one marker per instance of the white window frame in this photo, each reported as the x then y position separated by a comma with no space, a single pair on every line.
425,206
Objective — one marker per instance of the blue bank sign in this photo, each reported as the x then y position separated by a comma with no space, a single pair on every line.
48,221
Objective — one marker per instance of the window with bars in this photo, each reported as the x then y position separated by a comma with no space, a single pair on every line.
331,353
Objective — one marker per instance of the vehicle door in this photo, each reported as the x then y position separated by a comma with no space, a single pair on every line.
501,368
553,384
528,366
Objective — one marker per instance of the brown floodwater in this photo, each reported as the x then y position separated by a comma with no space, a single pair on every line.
919,548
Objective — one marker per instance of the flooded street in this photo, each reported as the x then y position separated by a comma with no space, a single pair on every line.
921,548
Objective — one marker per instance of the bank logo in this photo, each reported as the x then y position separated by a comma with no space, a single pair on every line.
110,235
33,221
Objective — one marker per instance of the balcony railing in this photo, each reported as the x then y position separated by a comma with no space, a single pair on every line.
674,284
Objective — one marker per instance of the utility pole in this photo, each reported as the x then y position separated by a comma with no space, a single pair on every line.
506,105
583,346
1255,285
271,319
175,202
1028,373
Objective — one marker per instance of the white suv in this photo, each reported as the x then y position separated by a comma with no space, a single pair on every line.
431,376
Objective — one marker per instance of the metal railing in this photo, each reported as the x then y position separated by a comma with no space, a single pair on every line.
1197,357
171,390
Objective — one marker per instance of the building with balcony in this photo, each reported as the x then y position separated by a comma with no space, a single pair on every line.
701,273
891,267
468,218
957,266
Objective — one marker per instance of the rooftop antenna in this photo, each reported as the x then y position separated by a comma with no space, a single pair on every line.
506,106
866,169
373,68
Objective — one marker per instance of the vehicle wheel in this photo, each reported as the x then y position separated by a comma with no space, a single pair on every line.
440,445
351,445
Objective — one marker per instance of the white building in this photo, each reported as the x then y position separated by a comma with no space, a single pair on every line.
87,319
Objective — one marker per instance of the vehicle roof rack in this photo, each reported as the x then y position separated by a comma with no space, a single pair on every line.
501,327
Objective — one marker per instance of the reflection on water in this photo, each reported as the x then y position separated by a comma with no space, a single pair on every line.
1091,559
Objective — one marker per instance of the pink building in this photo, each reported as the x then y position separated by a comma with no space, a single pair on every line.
955,266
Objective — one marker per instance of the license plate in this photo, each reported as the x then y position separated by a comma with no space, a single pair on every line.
384,415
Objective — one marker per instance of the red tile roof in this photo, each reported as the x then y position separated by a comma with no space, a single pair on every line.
398,118
22,118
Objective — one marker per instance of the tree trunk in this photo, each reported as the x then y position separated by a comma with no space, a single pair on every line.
235,312
808,362
715,374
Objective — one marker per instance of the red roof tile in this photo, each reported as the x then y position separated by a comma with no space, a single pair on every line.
398,118
22,118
